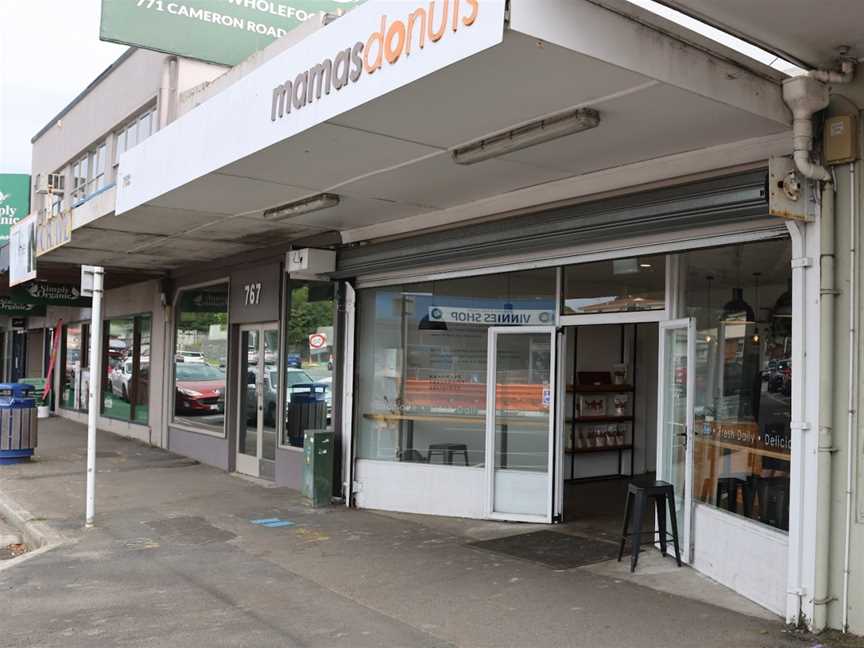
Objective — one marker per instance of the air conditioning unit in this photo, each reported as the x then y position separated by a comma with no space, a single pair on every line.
52,183
56,183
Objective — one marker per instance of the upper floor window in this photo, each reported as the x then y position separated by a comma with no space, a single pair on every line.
134,132
88,173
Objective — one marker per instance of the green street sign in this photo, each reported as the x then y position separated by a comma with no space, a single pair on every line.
8,307
14,200
217,31
53,294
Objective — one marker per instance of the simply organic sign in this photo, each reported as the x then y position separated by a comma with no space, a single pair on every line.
9,307
42,292
218,31
14,200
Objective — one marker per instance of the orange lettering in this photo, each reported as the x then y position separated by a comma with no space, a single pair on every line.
455,15
393,53
469,20
412,18
379,36
435,36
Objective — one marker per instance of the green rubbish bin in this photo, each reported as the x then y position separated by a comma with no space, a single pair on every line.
318,446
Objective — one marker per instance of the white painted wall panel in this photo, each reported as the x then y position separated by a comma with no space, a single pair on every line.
412,488
747,557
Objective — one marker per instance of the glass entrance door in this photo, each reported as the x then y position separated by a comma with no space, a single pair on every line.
520,423
258,396
675,425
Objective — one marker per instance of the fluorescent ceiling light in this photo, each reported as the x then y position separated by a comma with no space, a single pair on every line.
531,134
719,36
300,207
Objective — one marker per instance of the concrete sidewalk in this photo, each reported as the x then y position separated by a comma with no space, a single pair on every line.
176,560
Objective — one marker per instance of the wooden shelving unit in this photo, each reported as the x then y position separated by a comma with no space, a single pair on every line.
574,421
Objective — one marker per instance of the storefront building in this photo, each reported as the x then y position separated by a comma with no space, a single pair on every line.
607,349
528,300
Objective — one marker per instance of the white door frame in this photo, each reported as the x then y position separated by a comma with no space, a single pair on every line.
688,324
491,381
247,464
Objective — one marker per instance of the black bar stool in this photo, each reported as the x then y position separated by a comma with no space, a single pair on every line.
728,487
640,495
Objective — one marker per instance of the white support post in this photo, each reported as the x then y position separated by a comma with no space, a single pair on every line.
95,388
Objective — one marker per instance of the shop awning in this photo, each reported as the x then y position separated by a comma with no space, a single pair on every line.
791,28
200,189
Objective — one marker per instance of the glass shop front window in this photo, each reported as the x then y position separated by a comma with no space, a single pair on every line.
75,378
309,360
201,358
741,298
420,381
125,390
615,286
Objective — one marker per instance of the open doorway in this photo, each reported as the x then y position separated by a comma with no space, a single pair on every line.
610,418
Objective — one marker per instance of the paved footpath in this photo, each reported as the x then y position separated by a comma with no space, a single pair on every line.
175,560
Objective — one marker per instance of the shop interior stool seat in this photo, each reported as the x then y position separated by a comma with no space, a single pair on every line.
729,485
447,450
641,493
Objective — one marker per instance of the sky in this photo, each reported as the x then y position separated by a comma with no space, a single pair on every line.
49,51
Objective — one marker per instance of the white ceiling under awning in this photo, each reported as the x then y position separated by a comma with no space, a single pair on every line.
800,30
389,159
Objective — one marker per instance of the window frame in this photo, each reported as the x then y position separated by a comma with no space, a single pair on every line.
137,319
135,124
82,354
172,368
288,285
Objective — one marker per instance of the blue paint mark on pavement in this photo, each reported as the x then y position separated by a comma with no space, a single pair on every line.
273,523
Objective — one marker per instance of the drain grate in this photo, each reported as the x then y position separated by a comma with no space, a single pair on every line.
555,550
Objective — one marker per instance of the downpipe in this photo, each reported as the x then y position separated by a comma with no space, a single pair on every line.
853,390
825,445
807,95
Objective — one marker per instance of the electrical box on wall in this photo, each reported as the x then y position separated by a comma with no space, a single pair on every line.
787,190
840,141
310,263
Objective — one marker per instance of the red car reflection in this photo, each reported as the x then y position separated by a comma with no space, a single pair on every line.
200,389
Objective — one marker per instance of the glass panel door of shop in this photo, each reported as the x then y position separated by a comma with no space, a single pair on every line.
675,425
258,396
520,423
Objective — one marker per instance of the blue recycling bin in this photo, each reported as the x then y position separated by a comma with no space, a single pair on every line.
18,423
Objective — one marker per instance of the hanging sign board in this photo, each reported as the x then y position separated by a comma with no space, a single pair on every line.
217,31
9,307
42,292
14,201
22,251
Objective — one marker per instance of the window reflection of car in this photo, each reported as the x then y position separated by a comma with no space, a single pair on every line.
189,356
200,389
120,377
293,360
298,382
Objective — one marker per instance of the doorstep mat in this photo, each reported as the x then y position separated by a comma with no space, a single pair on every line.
555,550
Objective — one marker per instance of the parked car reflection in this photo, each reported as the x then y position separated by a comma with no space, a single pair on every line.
200,389
299,385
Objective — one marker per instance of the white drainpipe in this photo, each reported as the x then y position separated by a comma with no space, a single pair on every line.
806,95
853,391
